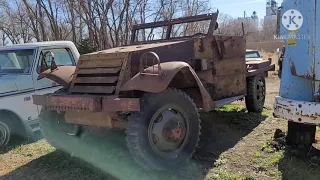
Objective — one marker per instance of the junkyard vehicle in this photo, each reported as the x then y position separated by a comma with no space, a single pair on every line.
298,99
255,55
19,68
153,89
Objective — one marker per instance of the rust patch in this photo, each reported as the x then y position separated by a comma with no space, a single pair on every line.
310,74
123,104
65,103
62,75
96,119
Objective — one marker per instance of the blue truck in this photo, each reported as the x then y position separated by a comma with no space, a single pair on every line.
299,95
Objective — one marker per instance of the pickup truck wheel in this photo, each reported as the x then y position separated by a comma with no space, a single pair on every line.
165,133
256,93
55,129
301,135
4,134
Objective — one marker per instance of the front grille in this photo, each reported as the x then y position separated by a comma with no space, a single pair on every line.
98,74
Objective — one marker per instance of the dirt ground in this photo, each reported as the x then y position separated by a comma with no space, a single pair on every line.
236,147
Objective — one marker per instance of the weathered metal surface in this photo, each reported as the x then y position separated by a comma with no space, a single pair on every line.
93,89
99,71
96,119
297,111
223,102
106,79
229,86
301,63
121,75
99,63
104,55
123,104
258,64
253,72
62,75
227,67
68,103
158,84
310,75
87,103
100,80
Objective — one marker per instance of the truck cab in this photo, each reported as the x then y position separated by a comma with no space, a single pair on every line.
20,66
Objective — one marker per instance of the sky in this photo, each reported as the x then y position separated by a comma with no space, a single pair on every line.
236,8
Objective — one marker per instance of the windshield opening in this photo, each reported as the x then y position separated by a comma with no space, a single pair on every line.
178,30
253,54
16,61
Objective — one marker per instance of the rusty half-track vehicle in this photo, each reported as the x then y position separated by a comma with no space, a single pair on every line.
153,89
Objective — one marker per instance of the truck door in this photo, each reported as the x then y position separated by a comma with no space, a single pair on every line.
62,57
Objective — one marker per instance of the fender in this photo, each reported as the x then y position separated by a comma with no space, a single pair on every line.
159,83
62,75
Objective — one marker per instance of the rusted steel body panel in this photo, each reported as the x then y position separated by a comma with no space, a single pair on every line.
62,75
106,79
95,119
86,103
160,83
257,67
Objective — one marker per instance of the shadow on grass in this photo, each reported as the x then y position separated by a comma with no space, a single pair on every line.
109,155
17,141
297,165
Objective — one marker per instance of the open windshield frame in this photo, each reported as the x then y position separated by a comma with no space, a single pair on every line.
168,24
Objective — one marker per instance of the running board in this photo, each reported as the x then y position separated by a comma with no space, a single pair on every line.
222,102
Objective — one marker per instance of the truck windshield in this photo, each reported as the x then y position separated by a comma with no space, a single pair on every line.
16,61
252,54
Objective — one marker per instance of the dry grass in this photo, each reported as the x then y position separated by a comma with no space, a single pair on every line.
236,148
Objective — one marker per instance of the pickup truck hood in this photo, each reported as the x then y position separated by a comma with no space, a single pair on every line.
7,84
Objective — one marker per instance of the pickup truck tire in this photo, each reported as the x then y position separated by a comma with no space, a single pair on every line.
55,129
5,134
165,133
301,135
256,93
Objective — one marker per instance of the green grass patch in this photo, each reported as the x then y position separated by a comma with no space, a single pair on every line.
224,175
232,108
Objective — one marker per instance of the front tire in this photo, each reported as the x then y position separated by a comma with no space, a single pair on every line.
5,134
165,133
256,93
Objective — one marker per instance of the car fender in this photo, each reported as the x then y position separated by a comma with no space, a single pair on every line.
159,83
62,75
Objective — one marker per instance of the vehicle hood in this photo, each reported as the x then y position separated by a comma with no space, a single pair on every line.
254,59
7,84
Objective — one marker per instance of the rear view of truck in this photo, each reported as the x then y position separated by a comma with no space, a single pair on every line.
299,98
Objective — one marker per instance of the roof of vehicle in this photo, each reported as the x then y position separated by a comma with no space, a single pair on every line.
36,44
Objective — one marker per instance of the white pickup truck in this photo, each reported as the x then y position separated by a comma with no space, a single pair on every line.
20,66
